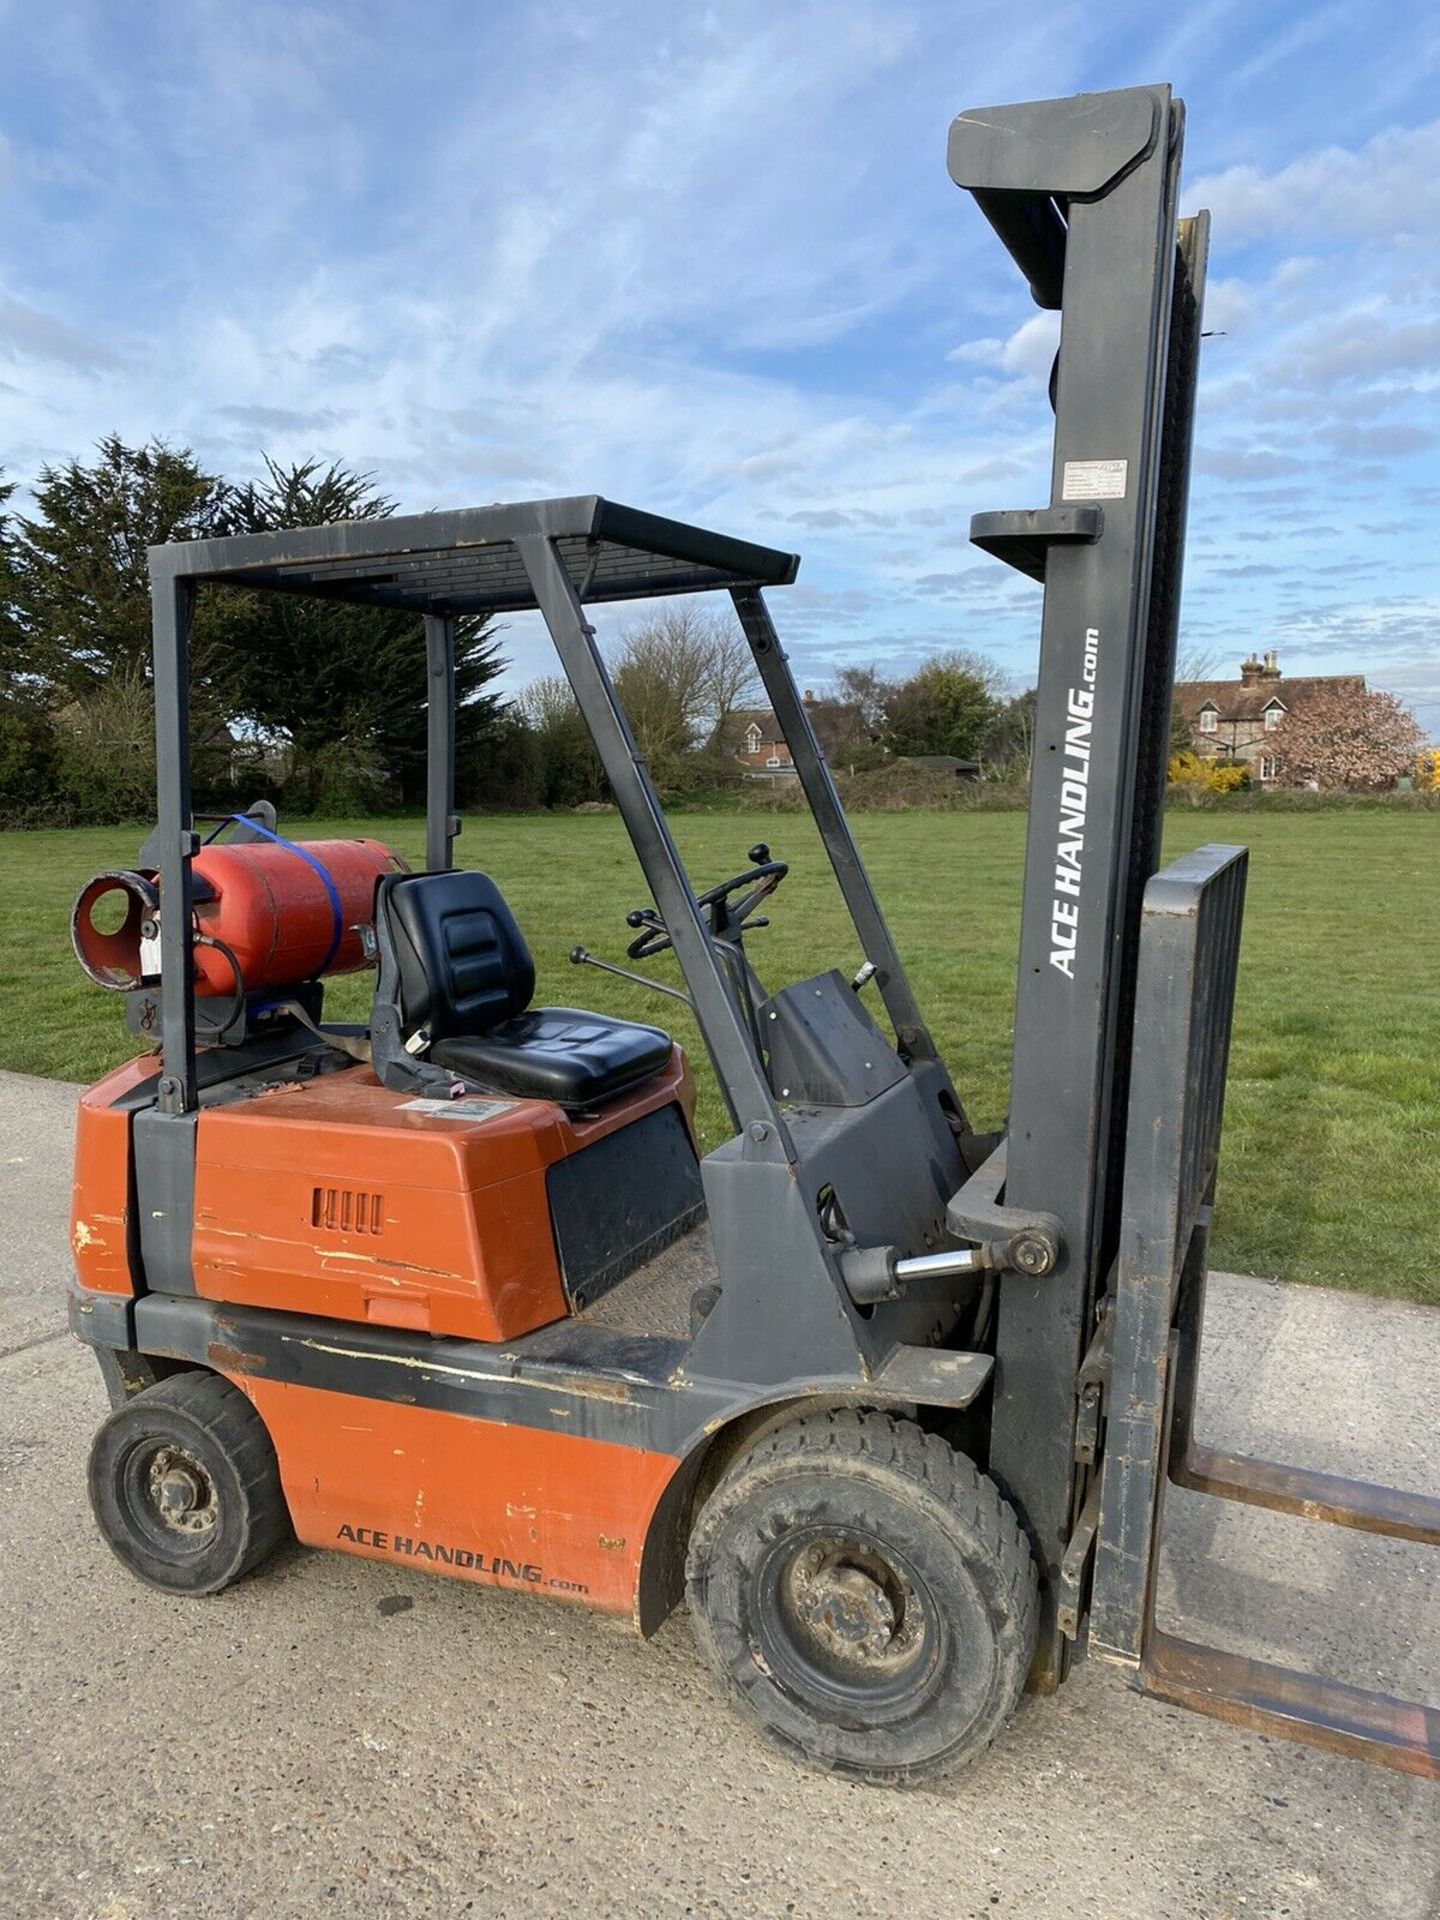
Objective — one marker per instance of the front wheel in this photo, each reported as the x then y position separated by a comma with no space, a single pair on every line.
863,1592
184,1484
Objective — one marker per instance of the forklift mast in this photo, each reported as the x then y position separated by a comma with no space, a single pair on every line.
1083,193
1126,984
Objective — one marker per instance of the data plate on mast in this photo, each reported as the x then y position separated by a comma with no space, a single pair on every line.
1095,479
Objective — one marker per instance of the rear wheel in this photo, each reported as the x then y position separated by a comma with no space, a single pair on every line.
864,1593
184,1485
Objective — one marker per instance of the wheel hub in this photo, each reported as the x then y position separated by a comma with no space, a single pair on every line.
181,1491
847,1607
178,1493
853,1606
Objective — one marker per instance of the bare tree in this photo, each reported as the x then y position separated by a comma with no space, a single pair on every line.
863,689
839,725
1009,748
734,683
681,676
547,702
569,767
1194,662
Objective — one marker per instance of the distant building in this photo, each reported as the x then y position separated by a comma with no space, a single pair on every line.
760,744
1244,719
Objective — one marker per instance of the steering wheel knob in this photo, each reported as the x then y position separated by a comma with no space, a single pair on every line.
758,854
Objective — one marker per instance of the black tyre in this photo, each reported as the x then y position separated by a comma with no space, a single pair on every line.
864,1593
184,1485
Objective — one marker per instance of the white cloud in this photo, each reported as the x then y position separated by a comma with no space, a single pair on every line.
705,259
1229,306
1389,185
1029,350
1318,24
28,334
1371,340
1391,639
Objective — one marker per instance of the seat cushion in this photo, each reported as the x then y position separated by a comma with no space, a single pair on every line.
463,961
556,1053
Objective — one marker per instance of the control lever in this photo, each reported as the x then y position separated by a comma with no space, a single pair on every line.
580,957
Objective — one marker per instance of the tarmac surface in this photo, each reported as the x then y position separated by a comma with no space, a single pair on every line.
299,1747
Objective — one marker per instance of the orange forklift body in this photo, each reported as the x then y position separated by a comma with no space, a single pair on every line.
547,1513
334,1197
337,1199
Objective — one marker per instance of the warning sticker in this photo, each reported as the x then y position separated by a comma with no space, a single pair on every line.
1094,480
471,1111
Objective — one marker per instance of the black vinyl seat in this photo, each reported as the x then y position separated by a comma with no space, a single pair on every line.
466,979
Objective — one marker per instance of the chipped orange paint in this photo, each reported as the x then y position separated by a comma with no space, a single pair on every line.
338,1198
100,1193
547,1513
341,1199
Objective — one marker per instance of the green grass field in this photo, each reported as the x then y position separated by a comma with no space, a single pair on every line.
1331,1170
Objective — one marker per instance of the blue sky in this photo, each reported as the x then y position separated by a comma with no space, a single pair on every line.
708,261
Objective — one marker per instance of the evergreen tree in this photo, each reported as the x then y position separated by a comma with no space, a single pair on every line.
344,686
80,580
948,706
11,656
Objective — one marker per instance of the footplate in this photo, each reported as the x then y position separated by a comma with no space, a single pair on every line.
1184,998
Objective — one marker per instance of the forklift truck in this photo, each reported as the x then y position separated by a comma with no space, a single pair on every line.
894,1402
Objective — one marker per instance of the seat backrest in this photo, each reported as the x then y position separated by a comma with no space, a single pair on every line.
462,959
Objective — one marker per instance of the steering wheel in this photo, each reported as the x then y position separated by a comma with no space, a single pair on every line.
757,883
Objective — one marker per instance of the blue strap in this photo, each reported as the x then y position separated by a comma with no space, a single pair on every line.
337,912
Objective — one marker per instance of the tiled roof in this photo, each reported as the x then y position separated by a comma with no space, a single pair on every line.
1235,701
764,719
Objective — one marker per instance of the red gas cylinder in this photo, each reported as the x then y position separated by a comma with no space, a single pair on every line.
286,911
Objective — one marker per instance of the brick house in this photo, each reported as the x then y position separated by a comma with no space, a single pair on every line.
760,745
1244,719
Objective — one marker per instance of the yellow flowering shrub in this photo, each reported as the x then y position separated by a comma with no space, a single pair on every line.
1188,770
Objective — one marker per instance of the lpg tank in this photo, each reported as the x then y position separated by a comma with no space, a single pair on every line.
287,911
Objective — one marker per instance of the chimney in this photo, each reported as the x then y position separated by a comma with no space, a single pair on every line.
1251,672
1272,671
809,698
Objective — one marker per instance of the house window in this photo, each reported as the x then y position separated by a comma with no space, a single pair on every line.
774,761
1272,719
1209,720
1269,766
752,739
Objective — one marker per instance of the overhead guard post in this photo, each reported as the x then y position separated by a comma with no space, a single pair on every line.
173,844
738,1068
441,825
819,790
